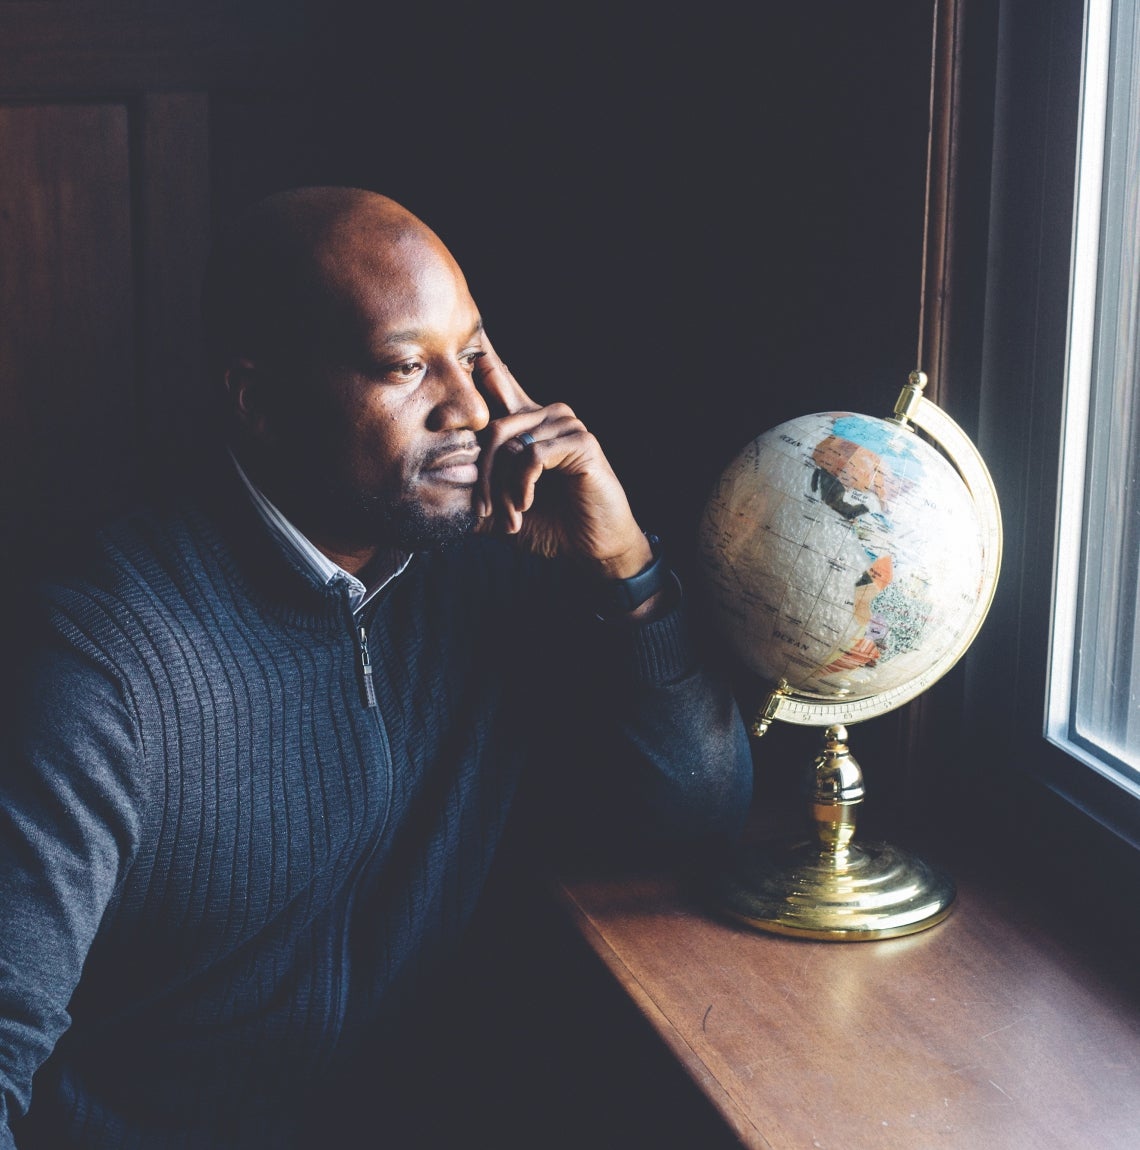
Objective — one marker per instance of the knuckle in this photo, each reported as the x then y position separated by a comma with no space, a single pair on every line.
497,434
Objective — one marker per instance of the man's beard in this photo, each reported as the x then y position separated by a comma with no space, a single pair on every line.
405,522
390,515
413,528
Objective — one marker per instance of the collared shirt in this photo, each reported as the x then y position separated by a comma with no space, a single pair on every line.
387,566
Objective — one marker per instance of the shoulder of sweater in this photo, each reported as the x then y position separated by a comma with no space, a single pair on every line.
131,581
137,548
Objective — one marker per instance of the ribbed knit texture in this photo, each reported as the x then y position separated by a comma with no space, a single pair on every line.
252,866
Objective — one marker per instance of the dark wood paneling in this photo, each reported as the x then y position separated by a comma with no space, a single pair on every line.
108,196
67,363
173,221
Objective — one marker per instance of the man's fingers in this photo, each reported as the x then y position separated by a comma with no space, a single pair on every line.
518,449
499,385
500,437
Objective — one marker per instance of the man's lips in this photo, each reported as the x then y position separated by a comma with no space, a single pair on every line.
458,467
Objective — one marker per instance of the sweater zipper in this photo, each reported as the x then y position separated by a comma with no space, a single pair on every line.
365,666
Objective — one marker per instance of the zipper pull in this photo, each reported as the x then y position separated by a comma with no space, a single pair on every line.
366,666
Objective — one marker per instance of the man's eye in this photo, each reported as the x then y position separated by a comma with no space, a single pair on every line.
407,369
470,358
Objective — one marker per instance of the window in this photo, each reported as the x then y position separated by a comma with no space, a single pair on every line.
1093,701
1051,683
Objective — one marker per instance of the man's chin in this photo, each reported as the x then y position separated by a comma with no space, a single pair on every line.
417,529
408,523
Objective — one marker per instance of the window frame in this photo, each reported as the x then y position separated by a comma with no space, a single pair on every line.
1093,337
1023,357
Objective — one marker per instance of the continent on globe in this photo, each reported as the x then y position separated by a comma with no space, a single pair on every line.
843,555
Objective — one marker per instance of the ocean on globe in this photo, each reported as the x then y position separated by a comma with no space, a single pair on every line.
842,554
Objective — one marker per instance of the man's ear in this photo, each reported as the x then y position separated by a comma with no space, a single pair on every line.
247,391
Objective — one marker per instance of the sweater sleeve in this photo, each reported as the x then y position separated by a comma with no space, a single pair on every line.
68,829
642,745
689,767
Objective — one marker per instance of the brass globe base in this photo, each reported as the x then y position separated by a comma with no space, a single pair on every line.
833,888
868,892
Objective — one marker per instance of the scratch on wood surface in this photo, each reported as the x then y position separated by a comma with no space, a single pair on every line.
706,1018
999,1029
998,1088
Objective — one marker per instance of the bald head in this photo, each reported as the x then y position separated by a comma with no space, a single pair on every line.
285,278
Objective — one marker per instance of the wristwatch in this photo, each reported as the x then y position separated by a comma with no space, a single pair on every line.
620,596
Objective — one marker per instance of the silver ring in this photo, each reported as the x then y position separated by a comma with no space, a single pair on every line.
525,438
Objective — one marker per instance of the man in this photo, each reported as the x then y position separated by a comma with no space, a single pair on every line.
271,735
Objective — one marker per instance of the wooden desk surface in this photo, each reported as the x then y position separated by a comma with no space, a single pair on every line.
989,1031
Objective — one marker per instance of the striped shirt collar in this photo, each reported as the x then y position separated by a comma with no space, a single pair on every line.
387,567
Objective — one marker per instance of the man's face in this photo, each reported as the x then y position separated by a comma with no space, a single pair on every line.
378,435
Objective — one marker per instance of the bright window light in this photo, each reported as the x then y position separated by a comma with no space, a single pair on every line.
1093,705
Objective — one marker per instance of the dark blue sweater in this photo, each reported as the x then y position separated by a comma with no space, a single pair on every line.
224,865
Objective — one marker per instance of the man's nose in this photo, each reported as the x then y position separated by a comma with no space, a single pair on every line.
460,404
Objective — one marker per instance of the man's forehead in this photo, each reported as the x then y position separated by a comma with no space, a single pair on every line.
364,250
400,291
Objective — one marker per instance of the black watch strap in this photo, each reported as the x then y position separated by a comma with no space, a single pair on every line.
620,596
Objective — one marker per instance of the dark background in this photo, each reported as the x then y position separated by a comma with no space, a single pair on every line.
690,222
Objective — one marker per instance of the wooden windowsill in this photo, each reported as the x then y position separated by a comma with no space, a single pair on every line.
1009,1026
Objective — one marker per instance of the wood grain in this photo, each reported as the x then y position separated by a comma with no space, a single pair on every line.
67,364
984,1032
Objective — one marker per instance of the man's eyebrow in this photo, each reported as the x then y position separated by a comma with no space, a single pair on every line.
411,335
414,335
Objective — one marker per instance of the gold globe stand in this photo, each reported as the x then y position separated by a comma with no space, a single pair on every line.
833,888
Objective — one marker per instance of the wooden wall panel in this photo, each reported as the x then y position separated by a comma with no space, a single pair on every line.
173,235
67,360
108,198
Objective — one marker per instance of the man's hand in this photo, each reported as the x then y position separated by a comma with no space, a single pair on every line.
556,490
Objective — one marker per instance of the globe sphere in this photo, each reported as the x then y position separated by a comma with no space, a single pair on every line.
842,555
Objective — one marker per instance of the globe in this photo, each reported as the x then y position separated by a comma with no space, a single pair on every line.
848,562
843,556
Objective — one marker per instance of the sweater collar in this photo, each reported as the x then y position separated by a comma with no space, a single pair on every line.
294,542
273,577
